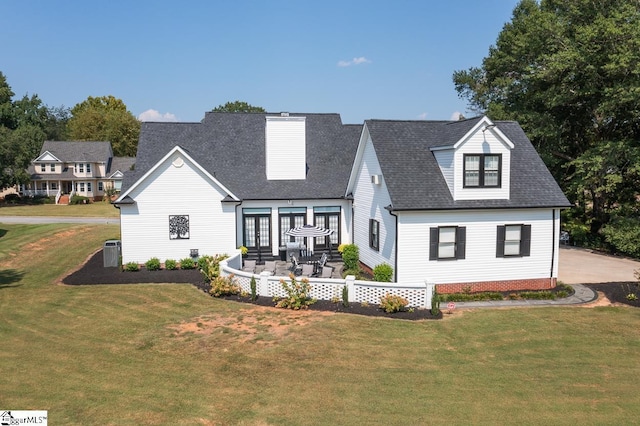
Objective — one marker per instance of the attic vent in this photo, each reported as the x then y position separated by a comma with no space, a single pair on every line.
376,179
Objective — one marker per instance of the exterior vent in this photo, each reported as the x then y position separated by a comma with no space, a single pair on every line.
284,114
376,179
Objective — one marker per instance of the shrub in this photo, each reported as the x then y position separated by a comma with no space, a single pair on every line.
243,250
132,266
383,273
210,265
79,199
623,234
253,286
341,248
435,303
351,257
345,296
357,272
224,286
392,303
152,264
170,264
12,198
297,294
187,263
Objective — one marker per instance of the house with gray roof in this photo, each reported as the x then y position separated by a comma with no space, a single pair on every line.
450,203
456,202
65,168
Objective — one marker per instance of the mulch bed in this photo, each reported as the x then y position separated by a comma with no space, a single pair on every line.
617,292
93,272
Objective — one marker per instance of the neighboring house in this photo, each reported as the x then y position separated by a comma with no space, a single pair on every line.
66,168
460,203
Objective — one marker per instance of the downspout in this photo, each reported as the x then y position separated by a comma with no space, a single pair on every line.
553,241
395,270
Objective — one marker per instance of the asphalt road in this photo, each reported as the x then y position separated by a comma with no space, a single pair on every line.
52,219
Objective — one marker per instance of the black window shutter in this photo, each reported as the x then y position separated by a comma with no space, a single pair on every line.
461,241
500,241
433,243
370,232
525,240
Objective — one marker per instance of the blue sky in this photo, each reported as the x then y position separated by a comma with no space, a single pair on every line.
176,60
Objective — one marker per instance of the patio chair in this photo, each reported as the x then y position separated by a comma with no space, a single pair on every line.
295,266
323,261
249,266
307,269
270,266
326,272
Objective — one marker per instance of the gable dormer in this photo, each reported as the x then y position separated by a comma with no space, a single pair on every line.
285,149
477,165
47,163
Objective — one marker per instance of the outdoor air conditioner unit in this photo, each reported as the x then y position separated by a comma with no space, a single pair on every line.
376,179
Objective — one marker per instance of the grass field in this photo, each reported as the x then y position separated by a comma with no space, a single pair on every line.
97,209
169,354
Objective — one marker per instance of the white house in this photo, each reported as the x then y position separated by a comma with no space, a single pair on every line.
457,203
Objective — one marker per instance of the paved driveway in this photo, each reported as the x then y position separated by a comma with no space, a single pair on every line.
580,266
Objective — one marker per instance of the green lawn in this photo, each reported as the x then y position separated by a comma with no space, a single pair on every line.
169,354
97,209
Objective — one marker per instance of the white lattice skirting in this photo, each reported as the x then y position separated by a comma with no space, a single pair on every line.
329,288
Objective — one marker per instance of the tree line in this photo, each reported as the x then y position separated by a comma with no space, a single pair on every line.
569,72
27,122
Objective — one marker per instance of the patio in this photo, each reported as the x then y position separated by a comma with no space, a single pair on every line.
283,269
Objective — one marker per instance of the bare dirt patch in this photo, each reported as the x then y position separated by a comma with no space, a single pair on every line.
258,325
27,251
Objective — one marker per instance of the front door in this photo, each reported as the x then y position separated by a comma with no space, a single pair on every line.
257,232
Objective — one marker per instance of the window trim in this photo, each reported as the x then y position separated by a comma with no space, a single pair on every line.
481,171
459,243
525,240
374,234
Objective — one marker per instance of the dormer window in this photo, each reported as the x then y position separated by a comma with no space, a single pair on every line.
482,170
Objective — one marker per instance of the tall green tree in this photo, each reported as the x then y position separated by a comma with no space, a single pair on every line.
24,125
105,118
569,72
237,106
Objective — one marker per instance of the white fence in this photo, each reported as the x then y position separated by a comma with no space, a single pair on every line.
328,288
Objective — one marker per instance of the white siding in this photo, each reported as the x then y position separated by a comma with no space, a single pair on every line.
480,263
286,148
445,159
370,201
482,143
172,190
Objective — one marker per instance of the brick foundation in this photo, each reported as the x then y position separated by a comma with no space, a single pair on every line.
507,285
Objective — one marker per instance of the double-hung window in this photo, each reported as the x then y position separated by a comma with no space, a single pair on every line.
53,167
513,241
88,167
482,170
43,168
80,167
447,242
374,234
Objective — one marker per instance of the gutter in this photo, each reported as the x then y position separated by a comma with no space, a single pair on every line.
395,270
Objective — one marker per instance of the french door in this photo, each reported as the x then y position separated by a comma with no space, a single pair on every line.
327,217
256,230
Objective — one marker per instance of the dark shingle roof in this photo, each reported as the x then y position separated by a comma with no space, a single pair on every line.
231,147
415,182
73,151
124,164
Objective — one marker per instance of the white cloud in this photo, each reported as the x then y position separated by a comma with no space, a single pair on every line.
153,115
354,61
456,116
422,116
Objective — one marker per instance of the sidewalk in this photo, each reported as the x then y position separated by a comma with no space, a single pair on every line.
583,294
